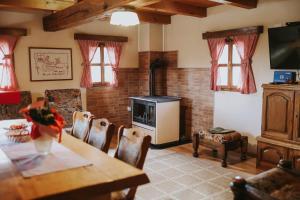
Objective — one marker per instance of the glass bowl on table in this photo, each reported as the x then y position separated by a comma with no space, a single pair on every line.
18,133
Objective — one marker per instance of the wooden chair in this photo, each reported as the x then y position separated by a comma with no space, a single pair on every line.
81,124
100,134
132,149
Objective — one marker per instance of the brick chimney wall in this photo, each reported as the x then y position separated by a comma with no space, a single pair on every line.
192,84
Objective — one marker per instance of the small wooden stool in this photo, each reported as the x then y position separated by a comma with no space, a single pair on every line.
222,143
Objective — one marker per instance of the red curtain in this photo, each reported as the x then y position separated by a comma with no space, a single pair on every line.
246,45
114,51
216,46
88,49
8,80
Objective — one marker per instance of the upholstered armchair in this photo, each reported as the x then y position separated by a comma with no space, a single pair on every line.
280,183
12,111
66,101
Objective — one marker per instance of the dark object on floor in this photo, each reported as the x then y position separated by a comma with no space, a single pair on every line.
222,143
280,183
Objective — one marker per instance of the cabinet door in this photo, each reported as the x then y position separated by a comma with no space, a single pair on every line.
296,129
294,156
277,119
268,155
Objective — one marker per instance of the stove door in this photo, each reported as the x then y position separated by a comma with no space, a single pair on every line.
139,111
151,115
144,112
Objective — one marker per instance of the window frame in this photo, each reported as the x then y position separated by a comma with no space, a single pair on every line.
102,68
229,87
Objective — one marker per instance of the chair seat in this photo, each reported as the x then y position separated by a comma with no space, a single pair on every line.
220,138
119,195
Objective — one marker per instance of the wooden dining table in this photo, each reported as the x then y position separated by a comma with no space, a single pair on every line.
96,181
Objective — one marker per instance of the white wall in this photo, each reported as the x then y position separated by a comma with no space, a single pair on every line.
61,39
232,110
150,37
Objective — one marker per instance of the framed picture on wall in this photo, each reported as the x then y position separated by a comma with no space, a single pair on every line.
50,64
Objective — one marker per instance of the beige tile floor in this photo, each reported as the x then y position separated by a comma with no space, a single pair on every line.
178,176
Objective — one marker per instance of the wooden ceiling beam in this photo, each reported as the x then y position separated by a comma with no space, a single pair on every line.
142,3
13,31
249,4
154,18
82,12
173,7
87,10
46,5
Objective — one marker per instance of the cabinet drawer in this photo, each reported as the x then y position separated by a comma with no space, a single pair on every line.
268,155
146,132
294,156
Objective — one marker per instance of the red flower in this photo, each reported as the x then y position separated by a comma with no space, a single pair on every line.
54,128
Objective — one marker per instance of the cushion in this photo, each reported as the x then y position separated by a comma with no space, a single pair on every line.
220,138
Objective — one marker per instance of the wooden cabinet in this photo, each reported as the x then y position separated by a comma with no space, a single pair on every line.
278,114
280,130
269,153
294,156
296,127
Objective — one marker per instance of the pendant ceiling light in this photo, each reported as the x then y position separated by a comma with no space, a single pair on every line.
124,17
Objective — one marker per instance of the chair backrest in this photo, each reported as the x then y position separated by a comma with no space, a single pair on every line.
132,148
81,124
100,134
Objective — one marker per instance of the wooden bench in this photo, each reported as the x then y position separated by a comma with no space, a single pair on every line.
221,143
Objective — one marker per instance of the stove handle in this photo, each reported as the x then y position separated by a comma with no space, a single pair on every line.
146,118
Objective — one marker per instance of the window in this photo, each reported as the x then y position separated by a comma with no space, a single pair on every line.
101,69
3,74
229,68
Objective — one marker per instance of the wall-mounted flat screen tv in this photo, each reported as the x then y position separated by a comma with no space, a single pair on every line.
284,46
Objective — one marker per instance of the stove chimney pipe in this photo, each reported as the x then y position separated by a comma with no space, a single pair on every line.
157,63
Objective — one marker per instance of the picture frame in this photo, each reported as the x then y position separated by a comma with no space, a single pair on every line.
50,64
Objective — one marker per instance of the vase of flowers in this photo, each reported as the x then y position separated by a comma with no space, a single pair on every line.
47,124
